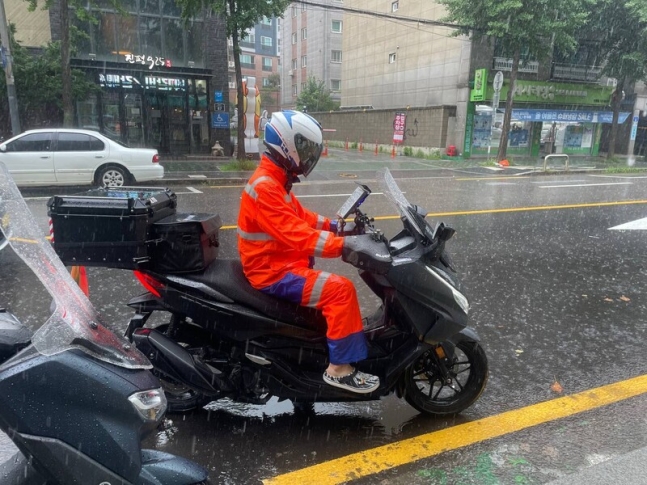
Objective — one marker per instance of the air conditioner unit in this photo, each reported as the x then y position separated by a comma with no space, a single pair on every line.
231,64
232,85
291,72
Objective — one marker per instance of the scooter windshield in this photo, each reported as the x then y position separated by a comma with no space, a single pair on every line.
74,323
396,197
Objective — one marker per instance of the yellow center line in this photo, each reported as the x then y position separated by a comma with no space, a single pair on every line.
510,209
376,460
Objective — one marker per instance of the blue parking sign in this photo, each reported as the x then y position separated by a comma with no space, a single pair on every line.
220,120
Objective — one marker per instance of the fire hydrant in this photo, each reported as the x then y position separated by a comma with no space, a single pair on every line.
451,151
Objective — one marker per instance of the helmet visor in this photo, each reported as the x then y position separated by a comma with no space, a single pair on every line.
309,153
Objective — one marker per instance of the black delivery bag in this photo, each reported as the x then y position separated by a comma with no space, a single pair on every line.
108,227
184,243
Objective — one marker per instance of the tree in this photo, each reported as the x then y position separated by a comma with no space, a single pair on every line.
39,86
240,16
316,97
621,27
525,29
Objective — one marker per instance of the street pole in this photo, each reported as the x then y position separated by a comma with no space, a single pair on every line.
7,62
498,84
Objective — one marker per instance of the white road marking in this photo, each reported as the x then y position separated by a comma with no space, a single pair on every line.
637,225
197,176
621,176
582,185
559,181
194,190
501,183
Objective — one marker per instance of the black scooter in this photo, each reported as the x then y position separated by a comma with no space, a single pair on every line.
226,339
75,398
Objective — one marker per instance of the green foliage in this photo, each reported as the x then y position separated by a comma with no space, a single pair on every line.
316,97
533,26
243,165
39,86
621,29
239,15
407,151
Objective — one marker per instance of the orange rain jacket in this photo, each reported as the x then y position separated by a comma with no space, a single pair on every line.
275,233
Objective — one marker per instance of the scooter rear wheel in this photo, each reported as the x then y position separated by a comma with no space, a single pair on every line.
428,392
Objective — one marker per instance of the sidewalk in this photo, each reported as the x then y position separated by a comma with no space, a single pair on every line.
341,164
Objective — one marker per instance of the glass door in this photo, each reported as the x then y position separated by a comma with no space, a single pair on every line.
134,129
156,130
178,123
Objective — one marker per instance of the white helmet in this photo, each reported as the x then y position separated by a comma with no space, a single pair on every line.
295,140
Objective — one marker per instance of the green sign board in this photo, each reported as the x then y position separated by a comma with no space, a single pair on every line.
546,92
480,85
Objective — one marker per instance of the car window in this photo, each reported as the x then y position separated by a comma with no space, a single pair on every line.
78,142
34,142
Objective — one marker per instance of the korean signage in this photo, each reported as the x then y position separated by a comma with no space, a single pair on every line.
480,85
564,115
634,129
556,93
165,83
150,61
118,80
399,125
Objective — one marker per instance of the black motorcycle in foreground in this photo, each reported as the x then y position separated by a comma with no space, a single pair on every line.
75,398
226,339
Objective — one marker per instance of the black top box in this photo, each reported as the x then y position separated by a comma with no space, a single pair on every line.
109,227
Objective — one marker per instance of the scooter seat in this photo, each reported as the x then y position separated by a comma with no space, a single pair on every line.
227,278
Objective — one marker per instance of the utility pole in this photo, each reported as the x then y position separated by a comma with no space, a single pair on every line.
7,62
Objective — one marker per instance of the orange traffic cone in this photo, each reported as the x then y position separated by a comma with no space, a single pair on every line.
392,151
81,277
346,147
325,150
361,146
375,147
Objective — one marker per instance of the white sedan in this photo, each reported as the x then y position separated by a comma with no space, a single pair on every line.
61,156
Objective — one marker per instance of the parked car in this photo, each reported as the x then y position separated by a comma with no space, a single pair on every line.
76,157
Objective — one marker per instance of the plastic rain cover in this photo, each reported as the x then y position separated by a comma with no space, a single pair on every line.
74,323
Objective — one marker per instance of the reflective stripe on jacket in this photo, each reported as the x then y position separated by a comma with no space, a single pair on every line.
276,233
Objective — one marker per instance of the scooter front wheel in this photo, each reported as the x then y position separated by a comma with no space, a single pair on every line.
431,391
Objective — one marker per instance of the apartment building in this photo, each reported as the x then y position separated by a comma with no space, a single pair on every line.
259,58
312,47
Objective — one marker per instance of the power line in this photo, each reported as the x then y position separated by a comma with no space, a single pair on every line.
435,23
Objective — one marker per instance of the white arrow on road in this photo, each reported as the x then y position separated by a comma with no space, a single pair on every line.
637,225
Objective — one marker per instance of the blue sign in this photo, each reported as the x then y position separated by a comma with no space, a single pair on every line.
220,120
217,97
564,115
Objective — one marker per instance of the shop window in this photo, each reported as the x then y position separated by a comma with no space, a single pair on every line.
173,35
150,29
195,43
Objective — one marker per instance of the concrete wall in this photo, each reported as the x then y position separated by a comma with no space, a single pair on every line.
425,127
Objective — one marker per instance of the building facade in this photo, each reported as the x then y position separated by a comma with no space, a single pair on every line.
160,80
312,47
561,104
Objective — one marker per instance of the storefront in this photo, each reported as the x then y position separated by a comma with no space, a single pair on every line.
547,118
166,110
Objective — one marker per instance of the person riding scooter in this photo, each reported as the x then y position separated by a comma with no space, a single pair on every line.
278,240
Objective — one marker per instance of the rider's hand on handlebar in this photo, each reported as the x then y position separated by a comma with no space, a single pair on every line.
350,229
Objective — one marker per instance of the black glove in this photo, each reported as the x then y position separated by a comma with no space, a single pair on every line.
350,229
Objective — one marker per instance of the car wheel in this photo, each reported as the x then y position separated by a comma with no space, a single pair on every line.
112,176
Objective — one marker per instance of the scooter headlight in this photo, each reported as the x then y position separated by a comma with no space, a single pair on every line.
150,404
461,300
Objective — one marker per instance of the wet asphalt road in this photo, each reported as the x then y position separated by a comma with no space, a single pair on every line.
556,297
